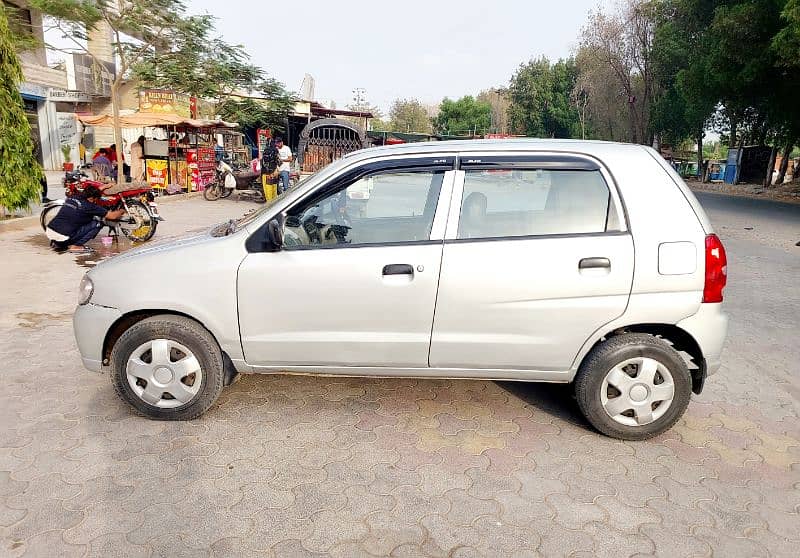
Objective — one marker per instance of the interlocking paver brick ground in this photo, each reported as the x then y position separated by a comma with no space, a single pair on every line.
304,466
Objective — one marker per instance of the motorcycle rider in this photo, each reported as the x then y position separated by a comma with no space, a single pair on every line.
78,222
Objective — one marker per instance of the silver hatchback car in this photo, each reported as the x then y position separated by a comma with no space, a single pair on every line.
588,263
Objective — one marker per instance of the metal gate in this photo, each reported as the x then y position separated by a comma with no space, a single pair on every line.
326,140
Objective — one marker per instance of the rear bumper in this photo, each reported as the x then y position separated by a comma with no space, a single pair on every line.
91,324
709,327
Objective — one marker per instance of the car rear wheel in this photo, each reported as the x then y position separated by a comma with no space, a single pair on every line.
167,368
633,386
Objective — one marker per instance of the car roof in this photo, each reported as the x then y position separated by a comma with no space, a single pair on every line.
495,145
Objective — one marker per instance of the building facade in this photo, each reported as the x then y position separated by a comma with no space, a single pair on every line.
51,96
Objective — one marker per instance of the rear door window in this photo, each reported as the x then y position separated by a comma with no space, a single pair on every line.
515,202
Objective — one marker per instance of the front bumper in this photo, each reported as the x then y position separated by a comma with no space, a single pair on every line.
91,323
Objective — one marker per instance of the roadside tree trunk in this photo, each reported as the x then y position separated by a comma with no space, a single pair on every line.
700,170
117,130
770,167
787,151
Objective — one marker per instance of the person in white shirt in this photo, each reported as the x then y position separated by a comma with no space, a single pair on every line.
285,155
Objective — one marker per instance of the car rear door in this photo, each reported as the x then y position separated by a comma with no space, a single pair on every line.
355,284
537,256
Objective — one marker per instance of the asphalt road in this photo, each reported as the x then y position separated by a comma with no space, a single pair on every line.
309,466
788,213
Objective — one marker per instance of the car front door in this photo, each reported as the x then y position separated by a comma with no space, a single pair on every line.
355,282
536,258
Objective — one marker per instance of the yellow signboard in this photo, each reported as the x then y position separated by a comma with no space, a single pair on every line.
162,101
157,173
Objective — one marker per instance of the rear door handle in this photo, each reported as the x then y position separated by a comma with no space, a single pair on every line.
589,263
398,269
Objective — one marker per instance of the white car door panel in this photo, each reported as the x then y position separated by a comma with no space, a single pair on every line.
339,306
526,303
355,284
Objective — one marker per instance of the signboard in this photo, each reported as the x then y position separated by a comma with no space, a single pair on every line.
156,173
162,101
62,95
67,128
32,90
93,78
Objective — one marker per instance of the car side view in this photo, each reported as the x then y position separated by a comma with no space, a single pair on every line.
579,262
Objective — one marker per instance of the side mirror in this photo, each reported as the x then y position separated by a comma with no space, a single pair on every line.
274,235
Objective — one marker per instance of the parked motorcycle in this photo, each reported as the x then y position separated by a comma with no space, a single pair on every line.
138,224
244,181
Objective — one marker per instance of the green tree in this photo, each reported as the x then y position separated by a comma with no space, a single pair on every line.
19,180
786,43
540,99
409,115
141,30
208,68
687,101
462,117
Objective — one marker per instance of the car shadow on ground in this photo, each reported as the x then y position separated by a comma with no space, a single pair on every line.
557,400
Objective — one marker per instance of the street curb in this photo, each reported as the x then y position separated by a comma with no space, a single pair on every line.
21,223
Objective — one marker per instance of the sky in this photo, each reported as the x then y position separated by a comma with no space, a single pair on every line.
408,48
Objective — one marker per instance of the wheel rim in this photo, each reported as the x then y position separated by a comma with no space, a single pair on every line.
164,374
140,228
637,391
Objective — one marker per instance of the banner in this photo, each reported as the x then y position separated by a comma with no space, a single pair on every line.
163,101
156,173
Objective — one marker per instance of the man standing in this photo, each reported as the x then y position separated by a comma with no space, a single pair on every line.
75,223
285,155
137,160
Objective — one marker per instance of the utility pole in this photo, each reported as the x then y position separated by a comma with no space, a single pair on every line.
359,98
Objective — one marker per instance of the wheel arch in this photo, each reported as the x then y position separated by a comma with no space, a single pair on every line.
126,321
680,339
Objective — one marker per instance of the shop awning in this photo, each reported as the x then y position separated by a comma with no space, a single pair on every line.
147,119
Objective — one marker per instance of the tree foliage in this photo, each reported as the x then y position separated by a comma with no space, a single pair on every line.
498,101
620,45
409,115
19,180
142,31
465,116
207,67
540,99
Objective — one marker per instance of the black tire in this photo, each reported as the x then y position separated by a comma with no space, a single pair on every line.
146,229
213,192
616,350
47,214
188,333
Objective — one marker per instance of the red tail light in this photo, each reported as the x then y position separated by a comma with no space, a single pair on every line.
716,269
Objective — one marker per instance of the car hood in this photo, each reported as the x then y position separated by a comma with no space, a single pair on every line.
161,246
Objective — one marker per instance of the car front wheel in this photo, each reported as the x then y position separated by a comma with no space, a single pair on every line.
167,368
633,386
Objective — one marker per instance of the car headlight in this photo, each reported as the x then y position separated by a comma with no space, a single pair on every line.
85,290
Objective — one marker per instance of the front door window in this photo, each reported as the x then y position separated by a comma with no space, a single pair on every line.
392,207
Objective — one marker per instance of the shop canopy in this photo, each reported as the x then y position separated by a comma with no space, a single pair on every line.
146,120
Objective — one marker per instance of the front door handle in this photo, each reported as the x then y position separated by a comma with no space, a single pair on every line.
590,263
398,269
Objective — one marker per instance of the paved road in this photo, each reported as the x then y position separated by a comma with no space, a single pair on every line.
300,466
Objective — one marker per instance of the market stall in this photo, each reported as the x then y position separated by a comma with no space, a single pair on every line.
180,154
